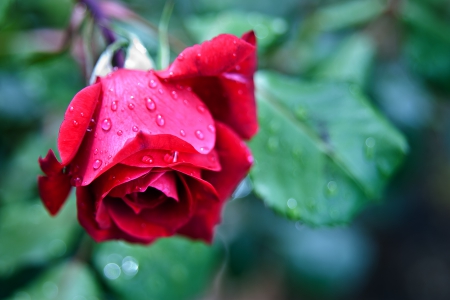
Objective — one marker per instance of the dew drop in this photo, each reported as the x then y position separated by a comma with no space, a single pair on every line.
180,57
170,74
147,159
185,102
199,55
75,123
95,151
97,163
150,104
152,83
174,95
201,109
199,134
71,109
234,54
131,106
82,114
119,132
106,124
160,120
75,181
160,91
114,106
179,86
291,203
211,128
182,132
135,128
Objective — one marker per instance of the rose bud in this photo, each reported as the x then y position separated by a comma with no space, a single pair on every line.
157,153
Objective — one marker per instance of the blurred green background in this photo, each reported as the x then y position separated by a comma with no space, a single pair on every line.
368,219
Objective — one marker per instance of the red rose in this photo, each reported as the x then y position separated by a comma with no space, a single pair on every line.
157,153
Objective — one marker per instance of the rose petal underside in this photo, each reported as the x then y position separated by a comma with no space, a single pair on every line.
137,108
77,119
55,187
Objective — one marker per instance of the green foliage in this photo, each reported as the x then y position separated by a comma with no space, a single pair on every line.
322,150
139,272
68,280
30,237
268,29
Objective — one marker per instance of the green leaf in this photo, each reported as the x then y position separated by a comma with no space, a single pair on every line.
163,28
347,14
69,280
351,62
30,236
171,268
327,149
267,29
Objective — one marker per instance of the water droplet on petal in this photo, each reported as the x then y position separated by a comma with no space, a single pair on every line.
160,91
179,86
97,163
135,128
75,123
119,133
71,109
201,109
234,54
75,181
180,57
211,128
82,114
174,95
131,106
182,132
150,104
199,134
152,83
95,151
160,120
199,55
114,106
106,124
147,159
185,102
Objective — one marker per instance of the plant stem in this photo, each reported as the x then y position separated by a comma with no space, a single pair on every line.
103,23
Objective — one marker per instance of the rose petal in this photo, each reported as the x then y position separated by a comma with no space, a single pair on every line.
131,110
222,76
164,220
165,158
236,160
167,185
116,176
55,187
210,58
86,216
76,120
